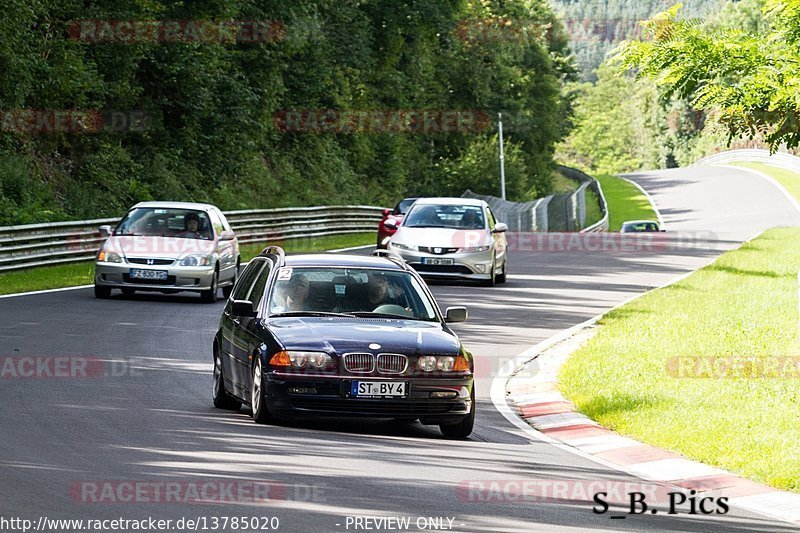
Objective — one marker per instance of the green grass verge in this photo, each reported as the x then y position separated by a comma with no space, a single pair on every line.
744,304
790,180
71,275
625,202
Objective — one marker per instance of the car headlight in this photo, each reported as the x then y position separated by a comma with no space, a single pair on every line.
296,359
400,246
109,257
443,363
473,249
196,260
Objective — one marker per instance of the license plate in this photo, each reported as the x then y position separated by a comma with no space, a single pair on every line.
379,389
437,261
137,273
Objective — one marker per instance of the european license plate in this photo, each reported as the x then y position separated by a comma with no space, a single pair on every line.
379,389
137,273
437,261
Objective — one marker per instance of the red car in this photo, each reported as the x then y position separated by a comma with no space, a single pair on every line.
396,215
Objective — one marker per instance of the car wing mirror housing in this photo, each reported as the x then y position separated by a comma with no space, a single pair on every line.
500,228
242,308
105,231
390,223
455,314
227,236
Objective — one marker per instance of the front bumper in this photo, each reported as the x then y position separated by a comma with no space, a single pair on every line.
466,265
179,278
332,398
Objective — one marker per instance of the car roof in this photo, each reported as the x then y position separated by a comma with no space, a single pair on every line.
450,201
176,205
341,260
640,222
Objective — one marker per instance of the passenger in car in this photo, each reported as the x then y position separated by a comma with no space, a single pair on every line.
294,294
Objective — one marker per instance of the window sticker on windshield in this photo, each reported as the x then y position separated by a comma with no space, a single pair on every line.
159,211
284,274
340,289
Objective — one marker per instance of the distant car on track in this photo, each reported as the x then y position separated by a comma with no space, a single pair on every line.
453,238
639,226
168,247
341,335
392,218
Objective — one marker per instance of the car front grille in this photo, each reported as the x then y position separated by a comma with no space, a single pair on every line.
441,269
148,261
374,407
392,363
437,250
362,363
169,281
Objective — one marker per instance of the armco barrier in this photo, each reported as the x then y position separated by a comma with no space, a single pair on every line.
564,212
74,241
779,159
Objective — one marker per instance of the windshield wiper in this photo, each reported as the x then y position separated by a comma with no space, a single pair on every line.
369,314
311,313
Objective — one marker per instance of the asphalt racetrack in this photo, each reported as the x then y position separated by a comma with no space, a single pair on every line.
144,416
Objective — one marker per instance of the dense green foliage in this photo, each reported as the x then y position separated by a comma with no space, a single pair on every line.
595,27
210,132
751,79
624,124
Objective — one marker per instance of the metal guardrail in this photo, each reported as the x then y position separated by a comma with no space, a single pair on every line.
557,212
54,243
779,159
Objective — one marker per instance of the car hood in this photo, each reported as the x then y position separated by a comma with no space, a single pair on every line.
343,335
442,237
163,247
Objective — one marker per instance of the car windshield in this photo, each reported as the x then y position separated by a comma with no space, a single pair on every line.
165,222
641,226
403,206
362,292
445,216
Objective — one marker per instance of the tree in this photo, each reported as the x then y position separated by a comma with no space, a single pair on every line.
751,79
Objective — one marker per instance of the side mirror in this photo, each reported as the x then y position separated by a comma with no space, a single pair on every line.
227,236
242,308
455,314
390,223
500,228
106,231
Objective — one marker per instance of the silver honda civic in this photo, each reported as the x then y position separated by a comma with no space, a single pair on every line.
168,247
453,238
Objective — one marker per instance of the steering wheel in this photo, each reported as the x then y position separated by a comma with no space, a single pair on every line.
393,309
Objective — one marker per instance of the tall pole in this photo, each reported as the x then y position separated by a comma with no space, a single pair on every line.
502,158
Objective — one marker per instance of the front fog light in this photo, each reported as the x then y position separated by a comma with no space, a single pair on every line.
443,395
480,268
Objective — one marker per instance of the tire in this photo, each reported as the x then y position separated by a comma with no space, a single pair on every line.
462,429
222,400
102,292
128,292
258,402
210,296
502,277
492,281
228,289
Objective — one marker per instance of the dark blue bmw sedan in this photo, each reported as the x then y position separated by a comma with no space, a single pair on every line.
341,335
